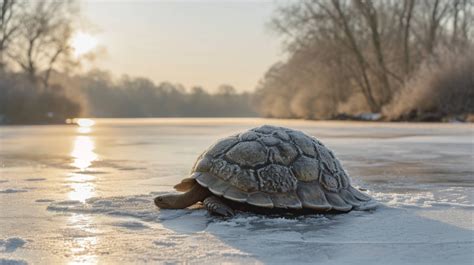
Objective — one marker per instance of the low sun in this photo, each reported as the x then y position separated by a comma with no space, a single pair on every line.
83,43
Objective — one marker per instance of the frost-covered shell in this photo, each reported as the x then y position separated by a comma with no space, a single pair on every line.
277,167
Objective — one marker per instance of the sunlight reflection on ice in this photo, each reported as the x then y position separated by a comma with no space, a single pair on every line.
83,152
76,177
84,130
85,122
82,248
81,191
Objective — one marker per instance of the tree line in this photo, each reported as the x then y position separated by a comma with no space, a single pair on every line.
98,94
406,59
105,96
402,59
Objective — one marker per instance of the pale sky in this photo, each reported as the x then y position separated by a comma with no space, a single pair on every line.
205,43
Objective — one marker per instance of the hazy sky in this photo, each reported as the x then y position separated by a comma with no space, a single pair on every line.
204,43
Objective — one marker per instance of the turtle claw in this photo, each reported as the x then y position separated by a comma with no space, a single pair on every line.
224,212
217,207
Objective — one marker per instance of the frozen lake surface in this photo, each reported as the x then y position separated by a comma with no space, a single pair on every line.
79,195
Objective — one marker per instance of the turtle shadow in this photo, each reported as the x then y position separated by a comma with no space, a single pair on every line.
391,235
388,234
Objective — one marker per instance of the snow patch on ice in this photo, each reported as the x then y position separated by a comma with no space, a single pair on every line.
68,202
164,243
130,225
12,262
12,191
35,179
11,244
250,220
44,200
138,206
425,197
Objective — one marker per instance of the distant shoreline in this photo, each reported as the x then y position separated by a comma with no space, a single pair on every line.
354,120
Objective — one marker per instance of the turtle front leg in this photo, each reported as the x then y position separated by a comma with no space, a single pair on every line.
216,206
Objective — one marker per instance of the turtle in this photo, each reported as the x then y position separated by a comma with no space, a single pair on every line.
268,169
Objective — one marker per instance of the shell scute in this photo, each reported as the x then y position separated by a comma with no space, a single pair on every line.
330,182
206,179
349,198
249,136
326,157
276,179
222,146
245,180
235,194
283,153
260,199
312,196
266,129
270,140
287,200
337,203
306,168
282,135
203,164
218,187
304,142
222,169
359,195
247,154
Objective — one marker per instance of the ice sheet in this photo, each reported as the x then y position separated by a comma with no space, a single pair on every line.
85,196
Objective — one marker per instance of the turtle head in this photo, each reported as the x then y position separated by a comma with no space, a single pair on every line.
165,201
182,200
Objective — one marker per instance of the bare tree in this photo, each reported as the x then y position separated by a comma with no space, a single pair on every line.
370,14
438,11
462,15
9,25
44,38
405,18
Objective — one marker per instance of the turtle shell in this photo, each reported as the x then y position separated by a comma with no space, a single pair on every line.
277,167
